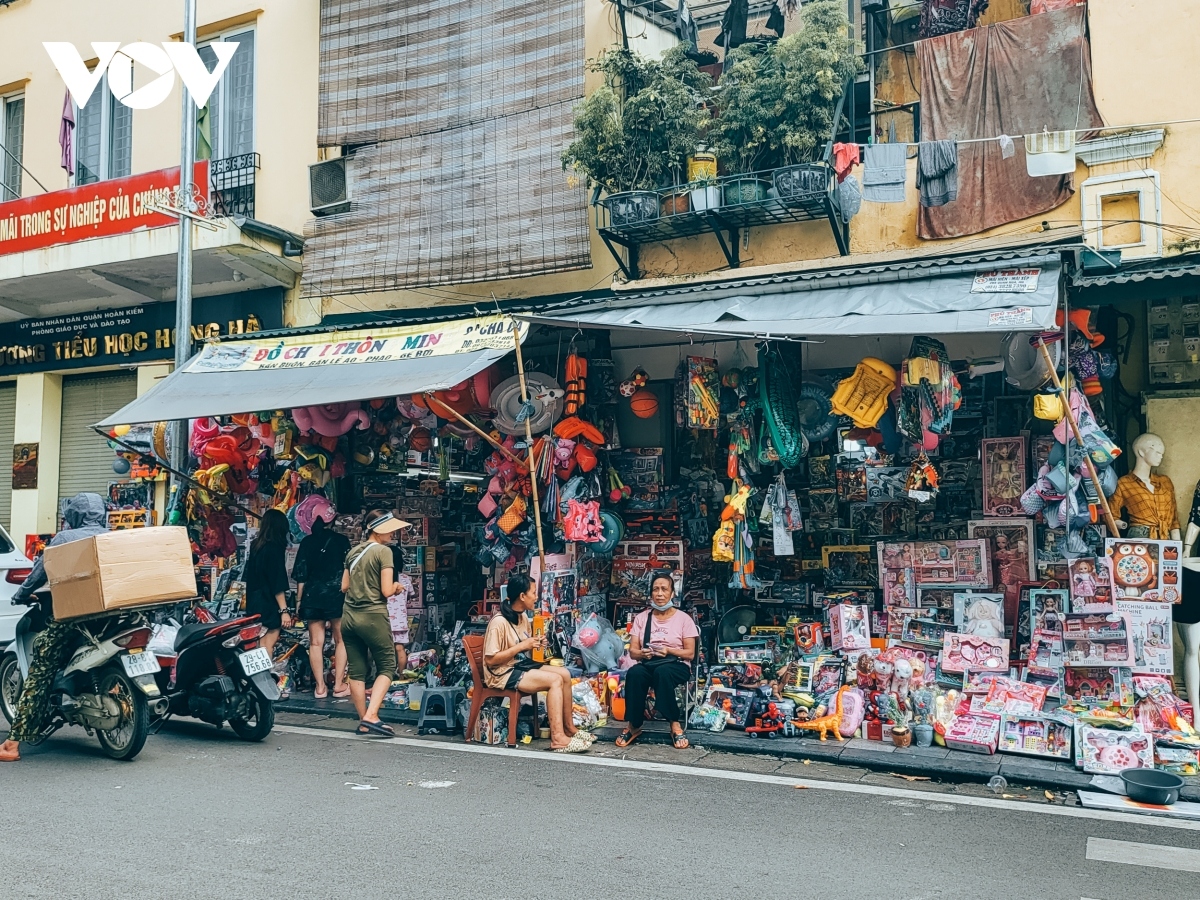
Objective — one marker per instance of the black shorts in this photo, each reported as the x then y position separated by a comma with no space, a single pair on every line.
520,667
321,611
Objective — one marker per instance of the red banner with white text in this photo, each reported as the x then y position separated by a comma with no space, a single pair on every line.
101,209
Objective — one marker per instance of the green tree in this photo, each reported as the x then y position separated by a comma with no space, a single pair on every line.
635,132
776,104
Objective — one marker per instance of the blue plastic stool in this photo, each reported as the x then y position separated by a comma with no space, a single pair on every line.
439,710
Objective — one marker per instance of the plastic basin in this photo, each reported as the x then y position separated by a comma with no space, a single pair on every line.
1152,786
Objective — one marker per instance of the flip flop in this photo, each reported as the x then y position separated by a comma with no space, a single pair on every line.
323,696
378,729
626,737
680,741
577,745
341,694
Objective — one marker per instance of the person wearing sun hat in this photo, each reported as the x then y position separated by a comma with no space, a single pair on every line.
368,580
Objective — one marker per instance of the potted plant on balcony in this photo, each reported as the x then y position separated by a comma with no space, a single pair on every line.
633,133
777,105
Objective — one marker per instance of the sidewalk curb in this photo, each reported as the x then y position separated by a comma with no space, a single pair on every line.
936,763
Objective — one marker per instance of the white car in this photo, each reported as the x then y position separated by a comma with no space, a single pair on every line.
14,566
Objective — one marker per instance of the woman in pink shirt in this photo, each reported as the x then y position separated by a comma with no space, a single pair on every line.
663,641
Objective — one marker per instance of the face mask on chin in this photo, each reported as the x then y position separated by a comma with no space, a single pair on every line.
662,605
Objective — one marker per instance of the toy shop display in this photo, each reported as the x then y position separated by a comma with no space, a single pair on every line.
911,550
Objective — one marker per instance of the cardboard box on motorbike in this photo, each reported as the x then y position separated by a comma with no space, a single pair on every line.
120,569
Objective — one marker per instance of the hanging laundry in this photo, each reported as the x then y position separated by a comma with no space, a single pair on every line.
884,170
968,92
947,16
733,25
1007,148
1050,153
937,172
845,157
685,26
66,135
779,12
849,198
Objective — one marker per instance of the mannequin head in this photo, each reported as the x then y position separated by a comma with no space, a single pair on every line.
1149,449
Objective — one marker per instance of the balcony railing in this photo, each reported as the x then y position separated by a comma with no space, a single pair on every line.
723,207
231,181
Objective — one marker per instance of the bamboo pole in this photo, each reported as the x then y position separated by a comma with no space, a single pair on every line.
1109,521
479,431
537,507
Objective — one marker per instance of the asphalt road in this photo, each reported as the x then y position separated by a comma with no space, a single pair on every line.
200,814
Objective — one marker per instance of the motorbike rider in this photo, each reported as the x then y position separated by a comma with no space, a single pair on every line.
85,516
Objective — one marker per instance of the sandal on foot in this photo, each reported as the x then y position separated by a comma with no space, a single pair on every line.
680,741
378,729
323,696
586,735
340,695
626,737
577,745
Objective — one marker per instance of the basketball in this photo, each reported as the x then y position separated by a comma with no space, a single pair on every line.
420,440
644,404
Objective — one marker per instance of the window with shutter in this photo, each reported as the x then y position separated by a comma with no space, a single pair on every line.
231,104
12,139
103,137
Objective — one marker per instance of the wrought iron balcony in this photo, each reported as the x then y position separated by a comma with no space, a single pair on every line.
231,182
722,207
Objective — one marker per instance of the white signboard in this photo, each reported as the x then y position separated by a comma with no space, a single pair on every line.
1011,318
1006,281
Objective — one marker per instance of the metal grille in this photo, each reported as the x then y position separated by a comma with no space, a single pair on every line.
465,109
232,184
8,417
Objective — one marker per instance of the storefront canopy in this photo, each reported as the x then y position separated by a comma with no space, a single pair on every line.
282,372
1015,295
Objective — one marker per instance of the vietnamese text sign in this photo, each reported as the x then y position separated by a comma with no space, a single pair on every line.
359,346
1006,281
101,209
131,334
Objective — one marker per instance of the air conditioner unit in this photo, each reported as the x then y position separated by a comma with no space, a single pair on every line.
327,189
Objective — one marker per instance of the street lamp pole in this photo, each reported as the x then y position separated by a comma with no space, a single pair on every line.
183,265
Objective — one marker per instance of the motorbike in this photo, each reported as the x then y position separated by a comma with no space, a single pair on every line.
107,686
217,672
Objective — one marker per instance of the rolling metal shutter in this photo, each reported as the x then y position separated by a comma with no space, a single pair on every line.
8,416
85,459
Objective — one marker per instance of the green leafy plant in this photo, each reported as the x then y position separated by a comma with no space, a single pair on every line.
777,103
636,130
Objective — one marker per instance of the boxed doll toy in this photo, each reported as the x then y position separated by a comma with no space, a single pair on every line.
1096,639
974,733
967,653
1035,736
849,627
1149,635
1105,751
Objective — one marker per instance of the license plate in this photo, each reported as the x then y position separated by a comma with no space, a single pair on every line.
140,664
255,661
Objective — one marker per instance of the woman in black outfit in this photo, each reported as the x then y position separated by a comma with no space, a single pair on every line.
266,577
318,577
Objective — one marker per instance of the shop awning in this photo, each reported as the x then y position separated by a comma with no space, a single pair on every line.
281,372
1013,295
